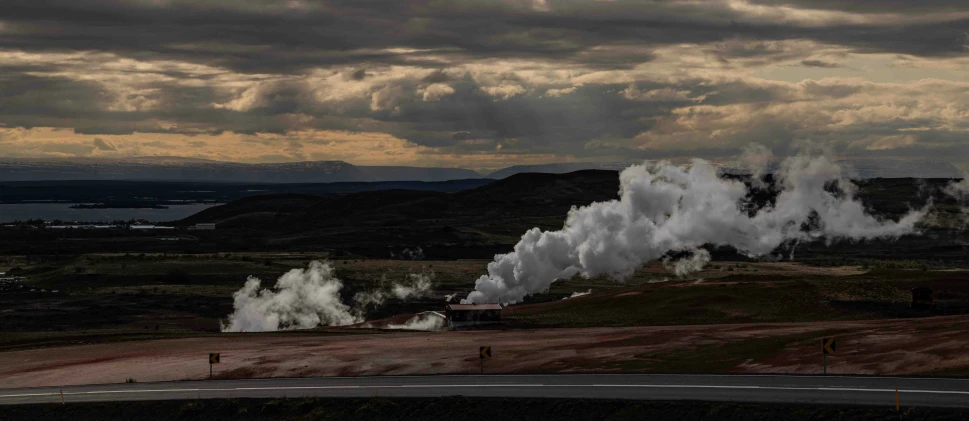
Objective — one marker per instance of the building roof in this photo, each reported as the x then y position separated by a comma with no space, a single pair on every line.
473,307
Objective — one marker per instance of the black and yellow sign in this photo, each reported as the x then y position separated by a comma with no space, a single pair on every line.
485,352
214,358
828,345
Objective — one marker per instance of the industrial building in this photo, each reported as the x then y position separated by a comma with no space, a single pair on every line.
462,315
150,227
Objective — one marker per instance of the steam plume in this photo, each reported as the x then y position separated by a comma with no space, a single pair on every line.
958,190
428,320
697,260
304,299
665,208
578,294
307,298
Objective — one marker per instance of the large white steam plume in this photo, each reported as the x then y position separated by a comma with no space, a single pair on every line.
663,208
307,298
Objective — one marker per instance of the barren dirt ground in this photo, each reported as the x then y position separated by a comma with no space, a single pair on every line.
909,346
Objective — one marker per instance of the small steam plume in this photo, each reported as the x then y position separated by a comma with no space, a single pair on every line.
578,294
418,286
416,253
756,160
664,208
307,298
682,267
958,190
428,321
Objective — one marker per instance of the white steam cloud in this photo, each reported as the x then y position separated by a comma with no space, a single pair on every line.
307,298
427,321
697,260
665,208
304,299
958,190
756,160
418,286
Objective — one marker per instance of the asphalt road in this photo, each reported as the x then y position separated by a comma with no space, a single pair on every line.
878,391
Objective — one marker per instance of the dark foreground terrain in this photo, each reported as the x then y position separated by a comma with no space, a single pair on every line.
460,408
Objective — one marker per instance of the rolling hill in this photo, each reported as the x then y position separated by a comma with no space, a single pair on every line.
184,169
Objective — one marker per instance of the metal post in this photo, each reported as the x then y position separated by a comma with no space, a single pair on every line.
482,365
210,370
825,359
896,399
62,397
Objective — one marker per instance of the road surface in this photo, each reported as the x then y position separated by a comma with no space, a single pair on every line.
880,391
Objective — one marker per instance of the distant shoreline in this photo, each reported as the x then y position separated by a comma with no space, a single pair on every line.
118,206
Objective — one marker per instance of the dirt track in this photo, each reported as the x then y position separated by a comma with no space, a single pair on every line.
871,347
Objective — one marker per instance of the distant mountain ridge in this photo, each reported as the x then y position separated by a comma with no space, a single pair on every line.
189,169
560,168
201,170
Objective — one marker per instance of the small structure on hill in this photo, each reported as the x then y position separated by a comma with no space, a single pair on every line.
922,297
462,315
150,227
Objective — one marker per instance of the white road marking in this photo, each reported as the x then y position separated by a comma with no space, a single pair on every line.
510,385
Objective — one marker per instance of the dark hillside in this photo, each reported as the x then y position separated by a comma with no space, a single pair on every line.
267,206
481,221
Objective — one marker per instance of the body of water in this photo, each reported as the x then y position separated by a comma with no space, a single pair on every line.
64,212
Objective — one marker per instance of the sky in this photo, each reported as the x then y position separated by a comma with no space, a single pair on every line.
483,84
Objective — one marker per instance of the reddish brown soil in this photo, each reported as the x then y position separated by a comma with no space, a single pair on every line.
865,347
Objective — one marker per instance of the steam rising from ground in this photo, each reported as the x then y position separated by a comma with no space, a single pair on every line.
682,267
958,190
666,208
428,320
578,294
307,298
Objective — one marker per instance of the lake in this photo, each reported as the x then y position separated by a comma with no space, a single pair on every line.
64,212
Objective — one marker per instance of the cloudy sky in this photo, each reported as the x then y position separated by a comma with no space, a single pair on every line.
482,83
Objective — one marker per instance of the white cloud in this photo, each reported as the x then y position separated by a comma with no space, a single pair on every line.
436,91
555,93
504,91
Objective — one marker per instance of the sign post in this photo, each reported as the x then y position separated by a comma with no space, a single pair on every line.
828,346
484,353
213,359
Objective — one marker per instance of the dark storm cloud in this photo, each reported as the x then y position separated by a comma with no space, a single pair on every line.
24,96
819,63
873,6
252,36
268,58
561,124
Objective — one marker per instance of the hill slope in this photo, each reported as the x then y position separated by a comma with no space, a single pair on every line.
180,169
